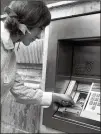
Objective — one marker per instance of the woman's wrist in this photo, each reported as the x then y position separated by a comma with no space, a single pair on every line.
55,97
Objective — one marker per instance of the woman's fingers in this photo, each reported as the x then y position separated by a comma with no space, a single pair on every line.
70,100
66,100
63,99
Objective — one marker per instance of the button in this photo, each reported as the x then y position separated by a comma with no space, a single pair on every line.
96,99
92,98
95,102
93,108
98,104
94,94
91,102
98,95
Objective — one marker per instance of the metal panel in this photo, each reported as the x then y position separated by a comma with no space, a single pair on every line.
76,27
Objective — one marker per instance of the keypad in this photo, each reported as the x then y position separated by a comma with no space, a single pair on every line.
94,100
94,94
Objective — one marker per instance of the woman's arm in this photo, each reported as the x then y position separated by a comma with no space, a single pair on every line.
26,95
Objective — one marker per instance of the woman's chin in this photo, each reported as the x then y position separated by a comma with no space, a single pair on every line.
26,43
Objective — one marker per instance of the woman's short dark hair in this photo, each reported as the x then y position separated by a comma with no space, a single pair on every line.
32,13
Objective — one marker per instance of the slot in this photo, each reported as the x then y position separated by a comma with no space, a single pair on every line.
72,86
61,85
79,93
87,97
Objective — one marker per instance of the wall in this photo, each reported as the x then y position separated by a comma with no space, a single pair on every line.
20,118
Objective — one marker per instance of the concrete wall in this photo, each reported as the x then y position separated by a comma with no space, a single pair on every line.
20,118
75,8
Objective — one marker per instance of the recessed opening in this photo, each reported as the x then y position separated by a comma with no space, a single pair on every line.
79,58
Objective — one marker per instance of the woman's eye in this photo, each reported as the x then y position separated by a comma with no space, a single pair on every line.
41,28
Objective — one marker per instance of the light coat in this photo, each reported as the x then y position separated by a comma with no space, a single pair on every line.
11,81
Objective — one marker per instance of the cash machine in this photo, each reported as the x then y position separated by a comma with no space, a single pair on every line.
73,67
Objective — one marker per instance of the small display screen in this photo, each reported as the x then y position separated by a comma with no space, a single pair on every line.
79,58
86,60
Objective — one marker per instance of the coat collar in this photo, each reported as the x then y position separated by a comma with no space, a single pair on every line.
5,37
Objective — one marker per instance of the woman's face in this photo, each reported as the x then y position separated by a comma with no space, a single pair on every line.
35,33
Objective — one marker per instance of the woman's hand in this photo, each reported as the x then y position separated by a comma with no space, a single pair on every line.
63,99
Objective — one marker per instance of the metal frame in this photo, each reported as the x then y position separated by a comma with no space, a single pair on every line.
48,118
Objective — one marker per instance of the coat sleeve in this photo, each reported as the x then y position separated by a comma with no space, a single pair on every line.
26,95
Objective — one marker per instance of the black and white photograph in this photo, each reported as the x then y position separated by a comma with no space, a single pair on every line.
50,66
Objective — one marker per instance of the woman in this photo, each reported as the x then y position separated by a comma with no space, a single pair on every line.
23,21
